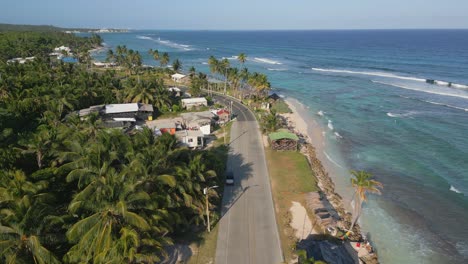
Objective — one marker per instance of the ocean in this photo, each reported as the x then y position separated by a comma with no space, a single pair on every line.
379,115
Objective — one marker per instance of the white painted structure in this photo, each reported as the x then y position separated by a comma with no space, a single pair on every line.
190,103
199,121
121,108
178,77
21,60
190,138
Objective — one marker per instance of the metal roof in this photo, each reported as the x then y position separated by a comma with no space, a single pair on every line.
283,134
121,108
194,100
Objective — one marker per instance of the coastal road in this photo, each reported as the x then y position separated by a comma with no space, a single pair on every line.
248,233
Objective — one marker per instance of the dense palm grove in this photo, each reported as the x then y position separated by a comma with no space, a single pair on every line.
73,191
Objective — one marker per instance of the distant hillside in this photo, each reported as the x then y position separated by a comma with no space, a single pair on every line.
50,28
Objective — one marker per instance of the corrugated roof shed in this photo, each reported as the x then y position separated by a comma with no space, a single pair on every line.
121,108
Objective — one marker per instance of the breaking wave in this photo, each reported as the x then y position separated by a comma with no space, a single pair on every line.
330,125
394,76
272,69
452,93
265,60
168,43
410,113
436,103
453,189
331,160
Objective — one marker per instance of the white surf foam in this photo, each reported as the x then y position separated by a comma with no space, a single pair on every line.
409,113
320,113
272,69
436,103
144,37
331,160
378,74
338,135
390,75
268,61
453,189
452,93
330,125
462,248
168,43
231,58
446,105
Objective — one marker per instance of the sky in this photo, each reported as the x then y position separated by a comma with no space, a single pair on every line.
238,14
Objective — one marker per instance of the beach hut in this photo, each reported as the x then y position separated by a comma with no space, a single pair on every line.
283,140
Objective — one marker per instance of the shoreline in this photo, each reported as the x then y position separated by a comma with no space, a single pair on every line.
313,148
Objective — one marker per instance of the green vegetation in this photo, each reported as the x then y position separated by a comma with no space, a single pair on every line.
291,177
270,122
27,44
363,184
72,191
239,78
280,107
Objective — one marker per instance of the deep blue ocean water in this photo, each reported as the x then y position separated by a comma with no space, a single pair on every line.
371,86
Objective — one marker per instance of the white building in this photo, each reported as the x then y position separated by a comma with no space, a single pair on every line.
190,138
62,48
178,77
21,60
198,121
190,103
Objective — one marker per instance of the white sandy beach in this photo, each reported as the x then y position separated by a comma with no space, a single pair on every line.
314,134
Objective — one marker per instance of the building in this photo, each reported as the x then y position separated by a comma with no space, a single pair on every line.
178,77
21,60
104,64
283,140
165,125
119,115
190,138
198,121
176,91
62,48
223,116
190,103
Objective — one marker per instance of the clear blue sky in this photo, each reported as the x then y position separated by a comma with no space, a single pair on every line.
238,14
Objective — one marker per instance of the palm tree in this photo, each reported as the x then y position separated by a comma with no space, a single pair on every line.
270,122
23,205
242,58
214,64
38,144
362,184
142,92
176,65
154,54
224,66
164,60
192,72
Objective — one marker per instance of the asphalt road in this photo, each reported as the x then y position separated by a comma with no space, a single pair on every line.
248,232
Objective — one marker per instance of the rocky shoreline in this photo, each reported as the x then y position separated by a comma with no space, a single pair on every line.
298,125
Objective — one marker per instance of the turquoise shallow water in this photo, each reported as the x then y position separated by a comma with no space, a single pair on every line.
371,87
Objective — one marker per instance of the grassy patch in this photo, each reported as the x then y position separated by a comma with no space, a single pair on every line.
281,107
220,134
205,249
291,177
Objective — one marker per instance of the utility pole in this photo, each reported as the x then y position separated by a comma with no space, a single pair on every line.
205,192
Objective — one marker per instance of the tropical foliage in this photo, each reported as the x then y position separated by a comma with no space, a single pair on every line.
237,79
72,191
363,183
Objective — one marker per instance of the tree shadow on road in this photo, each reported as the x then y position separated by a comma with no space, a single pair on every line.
242,172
